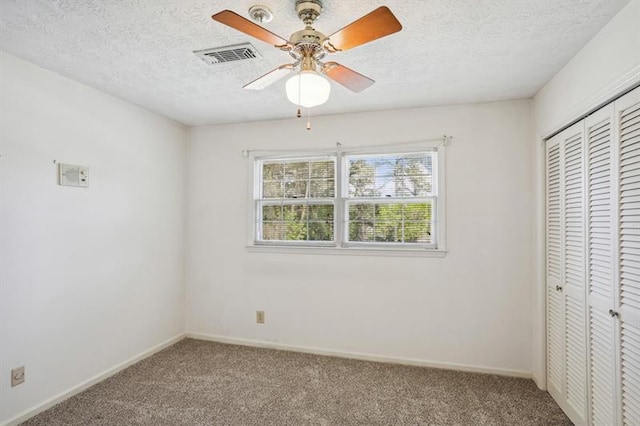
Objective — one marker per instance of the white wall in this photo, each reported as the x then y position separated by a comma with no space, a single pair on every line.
608,64
472,307
90,277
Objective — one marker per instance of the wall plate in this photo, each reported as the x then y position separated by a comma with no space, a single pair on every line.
17,376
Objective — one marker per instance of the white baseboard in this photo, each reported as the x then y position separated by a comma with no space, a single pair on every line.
92,381
361,356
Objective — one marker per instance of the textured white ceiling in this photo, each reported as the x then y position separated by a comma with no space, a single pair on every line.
449,51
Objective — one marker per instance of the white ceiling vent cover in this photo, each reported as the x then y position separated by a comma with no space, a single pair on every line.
237,52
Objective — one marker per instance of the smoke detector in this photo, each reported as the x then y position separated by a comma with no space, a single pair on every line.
260,14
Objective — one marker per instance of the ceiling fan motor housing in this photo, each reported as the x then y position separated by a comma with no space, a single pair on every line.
308,36
308,10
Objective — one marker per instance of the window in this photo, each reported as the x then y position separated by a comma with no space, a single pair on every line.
296,200
389,198
350,200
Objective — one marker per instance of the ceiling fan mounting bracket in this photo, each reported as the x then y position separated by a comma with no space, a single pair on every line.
308,10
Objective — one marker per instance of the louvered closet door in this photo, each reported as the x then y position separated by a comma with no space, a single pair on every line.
566,340
627,310
600,266
555,278
574,260
593,266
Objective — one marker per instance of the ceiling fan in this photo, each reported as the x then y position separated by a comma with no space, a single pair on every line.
309,47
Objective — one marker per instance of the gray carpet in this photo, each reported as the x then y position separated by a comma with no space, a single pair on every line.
203,383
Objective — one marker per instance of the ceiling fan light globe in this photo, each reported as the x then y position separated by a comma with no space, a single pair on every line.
308,89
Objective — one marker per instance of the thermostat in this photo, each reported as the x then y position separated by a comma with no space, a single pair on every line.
72,175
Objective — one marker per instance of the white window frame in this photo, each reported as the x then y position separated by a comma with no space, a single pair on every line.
345,200
340,245
258,200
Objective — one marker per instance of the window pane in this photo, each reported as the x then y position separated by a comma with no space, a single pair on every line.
322,169
361,178
295,231
272,231
296,189
295,212
417,212
322,188
388,232
389,212
394,175
390,222
272,189
272,171
297,222
417,175
298,178
417,232
360,231
270,213
323,212
296,170
363,212
321,231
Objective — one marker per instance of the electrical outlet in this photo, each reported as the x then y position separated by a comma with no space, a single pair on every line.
17,376
260,317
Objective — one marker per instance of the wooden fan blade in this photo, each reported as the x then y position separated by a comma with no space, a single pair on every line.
379,23
269,78
239,23
347,77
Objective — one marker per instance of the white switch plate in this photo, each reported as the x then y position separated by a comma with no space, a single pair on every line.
72,175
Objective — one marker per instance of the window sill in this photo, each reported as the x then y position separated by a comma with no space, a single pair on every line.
349,251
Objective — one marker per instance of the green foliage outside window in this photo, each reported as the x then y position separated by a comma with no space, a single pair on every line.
390,223
306,181
390,176
386,199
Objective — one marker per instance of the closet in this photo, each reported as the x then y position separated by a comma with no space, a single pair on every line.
593,265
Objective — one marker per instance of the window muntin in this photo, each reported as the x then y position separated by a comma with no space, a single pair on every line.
387,199
296,200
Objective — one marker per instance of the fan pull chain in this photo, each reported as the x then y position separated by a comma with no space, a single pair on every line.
308,118
299,114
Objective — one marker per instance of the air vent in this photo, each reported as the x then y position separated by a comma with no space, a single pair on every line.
218,55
